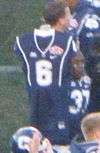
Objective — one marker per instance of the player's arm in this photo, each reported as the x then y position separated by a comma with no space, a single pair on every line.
85,147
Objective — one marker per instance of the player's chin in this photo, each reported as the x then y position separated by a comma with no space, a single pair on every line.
77,76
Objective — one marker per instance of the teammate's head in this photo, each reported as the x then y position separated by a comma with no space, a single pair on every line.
22,138
90,126
57,14
77,65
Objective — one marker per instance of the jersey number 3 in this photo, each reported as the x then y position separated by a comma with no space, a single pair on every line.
81,99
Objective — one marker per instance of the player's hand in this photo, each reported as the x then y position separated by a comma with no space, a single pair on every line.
48,146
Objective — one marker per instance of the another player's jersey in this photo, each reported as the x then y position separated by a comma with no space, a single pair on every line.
89,34
95,5
77,101
41,65
89,26
87,147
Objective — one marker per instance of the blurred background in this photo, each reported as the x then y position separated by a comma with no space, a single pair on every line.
16,17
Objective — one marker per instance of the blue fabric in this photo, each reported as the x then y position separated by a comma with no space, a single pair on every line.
83,147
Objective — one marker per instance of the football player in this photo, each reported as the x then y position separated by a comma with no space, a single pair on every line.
94,72
87,13
78,94
29,140
89,22
90,127
44,53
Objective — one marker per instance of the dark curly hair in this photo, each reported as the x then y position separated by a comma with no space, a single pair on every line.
53,11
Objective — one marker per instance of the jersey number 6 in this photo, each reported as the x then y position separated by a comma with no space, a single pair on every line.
44,72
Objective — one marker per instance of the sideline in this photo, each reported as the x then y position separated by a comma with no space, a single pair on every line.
10,69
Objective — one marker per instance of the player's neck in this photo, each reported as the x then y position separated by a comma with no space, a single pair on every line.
58,28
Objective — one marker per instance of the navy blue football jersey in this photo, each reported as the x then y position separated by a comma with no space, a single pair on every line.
41,66
77,101
44,72
95,4
87,13
86,147
95,75
89,26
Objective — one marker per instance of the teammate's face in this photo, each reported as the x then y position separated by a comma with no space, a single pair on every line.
77,65
93,135
97,134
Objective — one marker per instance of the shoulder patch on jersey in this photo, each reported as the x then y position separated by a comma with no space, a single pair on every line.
92,23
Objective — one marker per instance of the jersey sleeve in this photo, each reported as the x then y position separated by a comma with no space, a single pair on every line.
84,147
21,44
17,46
16,49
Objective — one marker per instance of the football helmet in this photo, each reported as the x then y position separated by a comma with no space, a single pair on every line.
21,138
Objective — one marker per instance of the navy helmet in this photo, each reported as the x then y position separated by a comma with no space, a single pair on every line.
21,138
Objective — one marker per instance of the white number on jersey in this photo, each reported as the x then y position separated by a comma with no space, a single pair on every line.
43,72
78,97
